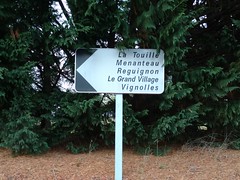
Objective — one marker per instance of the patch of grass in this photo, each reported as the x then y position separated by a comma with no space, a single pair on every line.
162,166
161,151
82,148
143,150
155,150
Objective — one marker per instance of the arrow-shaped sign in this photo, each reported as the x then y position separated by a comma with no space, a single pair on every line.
138,71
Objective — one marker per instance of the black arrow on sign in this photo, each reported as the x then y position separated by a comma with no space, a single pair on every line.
81,56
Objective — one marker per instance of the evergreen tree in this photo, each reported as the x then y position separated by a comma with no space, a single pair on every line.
213,59
37,44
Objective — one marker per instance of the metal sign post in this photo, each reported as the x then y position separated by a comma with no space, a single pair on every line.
129,71
118,136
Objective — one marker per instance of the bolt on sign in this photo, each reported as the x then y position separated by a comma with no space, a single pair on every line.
129,71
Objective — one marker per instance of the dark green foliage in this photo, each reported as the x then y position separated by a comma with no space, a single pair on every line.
134,131
200,40
20,134
235,144
76,149
173,125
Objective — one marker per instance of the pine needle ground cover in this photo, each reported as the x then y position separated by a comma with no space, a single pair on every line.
185,162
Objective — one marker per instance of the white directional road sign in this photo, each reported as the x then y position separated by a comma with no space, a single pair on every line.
131,71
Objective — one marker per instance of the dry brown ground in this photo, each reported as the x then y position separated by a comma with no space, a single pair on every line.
183,163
